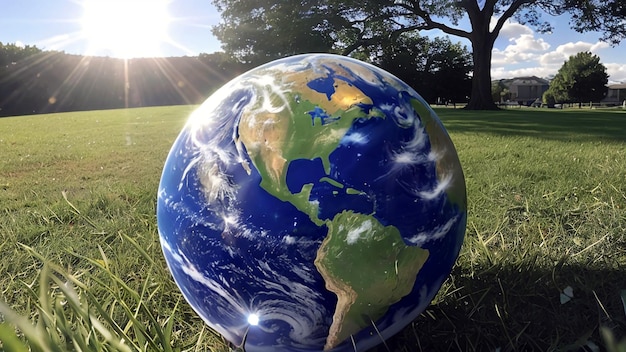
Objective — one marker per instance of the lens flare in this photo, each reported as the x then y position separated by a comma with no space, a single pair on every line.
253,319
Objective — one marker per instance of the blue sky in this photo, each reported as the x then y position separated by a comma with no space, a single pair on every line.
60,25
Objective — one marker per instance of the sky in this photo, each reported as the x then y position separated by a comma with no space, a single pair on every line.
147,28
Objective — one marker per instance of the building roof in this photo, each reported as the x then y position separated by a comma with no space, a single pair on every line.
530,80
617,86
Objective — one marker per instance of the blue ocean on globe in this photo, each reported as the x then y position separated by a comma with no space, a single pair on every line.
313,203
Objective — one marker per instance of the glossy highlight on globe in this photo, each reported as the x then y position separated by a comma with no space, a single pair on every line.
314,203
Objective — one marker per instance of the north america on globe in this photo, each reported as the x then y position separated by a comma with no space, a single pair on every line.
319,195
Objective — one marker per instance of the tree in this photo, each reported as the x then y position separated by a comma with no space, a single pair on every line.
12,53
54,81
548,98
582,78
223,66
499,91
270,28
259,31
437,69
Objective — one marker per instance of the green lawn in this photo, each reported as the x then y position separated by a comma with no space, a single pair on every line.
546,194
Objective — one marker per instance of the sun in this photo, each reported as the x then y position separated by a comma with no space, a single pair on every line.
125,28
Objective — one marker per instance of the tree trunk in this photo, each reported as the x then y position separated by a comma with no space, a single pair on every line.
481,98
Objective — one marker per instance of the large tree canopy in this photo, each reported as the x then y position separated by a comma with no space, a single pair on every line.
438,69
266,29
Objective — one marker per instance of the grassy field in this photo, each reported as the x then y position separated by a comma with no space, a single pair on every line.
543,266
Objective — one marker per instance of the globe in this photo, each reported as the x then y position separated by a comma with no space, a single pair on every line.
313,203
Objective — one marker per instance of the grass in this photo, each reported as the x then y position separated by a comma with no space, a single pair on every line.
543,266
77,205
547,199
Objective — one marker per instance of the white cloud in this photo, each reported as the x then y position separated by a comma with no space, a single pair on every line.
363,231
524,47
617,72
553,58
527,54
564,51
529,42
538,71
575,48
511,29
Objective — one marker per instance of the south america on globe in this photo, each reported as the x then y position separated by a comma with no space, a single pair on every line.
314,203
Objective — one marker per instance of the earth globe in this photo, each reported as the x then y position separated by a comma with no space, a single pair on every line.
314,203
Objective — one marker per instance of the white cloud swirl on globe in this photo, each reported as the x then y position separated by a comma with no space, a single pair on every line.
436,233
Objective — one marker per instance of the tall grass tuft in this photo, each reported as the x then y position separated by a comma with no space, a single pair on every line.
90,310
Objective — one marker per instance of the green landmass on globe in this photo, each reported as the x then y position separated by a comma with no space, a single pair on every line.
367,265
275,138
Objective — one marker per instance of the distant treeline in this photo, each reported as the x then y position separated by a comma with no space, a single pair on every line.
33,81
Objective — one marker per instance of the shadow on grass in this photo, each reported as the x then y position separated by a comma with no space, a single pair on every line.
543,123
515,309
